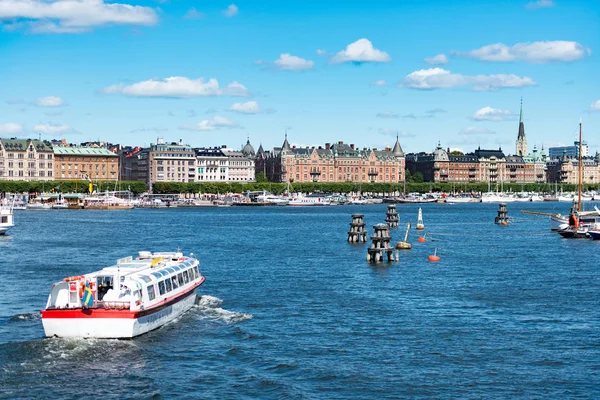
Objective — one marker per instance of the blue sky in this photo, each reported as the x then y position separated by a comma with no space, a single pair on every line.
354,71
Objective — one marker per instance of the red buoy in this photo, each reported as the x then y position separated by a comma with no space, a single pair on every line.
434,257
421,239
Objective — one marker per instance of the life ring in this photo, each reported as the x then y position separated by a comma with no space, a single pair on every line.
74,278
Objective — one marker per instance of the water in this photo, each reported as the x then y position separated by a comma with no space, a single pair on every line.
290,310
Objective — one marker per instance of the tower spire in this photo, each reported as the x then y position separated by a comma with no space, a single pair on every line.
521,114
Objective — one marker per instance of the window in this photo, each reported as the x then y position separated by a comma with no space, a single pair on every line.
151,293
161,288
168,284
180,279
186,278
174,281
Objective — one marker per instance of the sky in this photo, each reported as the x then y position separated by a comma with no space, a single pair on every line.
216,73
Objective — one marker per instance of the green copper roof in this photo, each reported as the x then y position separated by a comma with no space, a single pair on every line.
21,144
83,151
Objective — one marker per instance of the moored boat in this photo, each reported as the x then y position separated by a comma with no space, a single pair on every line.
153,289
6,217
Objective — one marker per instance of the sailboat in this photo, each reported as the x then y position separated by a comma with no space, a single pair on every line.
579,223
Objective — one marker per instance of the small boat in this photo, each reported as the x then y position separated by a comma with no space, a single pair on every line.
60,204
310,200
558,222
594,234
272,200
153,289
38,204
7,220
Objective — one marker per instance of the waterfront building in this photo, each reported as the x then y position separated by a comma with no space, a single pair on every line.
129,166
443,166
241,165
566,170
26,159
492,165
76,162
338,162
570,151
212,165
163,162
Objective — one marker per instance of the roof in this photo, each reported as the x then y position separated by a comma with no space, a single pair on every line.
480,153
397,151
83,151
286,145
22,144
248,150
209,152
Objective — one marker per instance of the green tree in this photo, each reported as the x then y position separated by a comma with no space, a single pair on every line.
418,178
261,177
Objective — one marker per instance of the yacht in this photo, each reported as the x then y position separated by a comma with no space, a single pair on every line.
6,217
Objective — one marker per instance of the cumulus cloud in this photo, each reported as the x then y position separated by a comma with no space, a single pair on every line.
194,14
72,16
439,59
249,107
380,82
532,5
52,129
178,87
438,78
212,124
492,114
387,115
231,11
10,128
532,52
359,52
289,62
472,131
595,106
49,101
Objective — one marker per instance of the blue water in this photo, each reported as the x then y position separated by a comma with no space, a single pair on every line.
290,310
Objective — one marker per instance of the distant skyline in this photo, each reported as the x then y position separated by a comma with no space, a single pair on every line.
214,73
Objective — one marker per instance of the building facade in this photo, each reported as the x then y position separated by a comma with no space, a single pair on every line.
26,160
212,165
442,166
569,151
162,162
96,164
339,162
566,170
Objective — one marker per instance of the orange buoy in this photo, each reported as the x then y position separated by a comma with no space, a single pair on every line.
421,239
504,222
434,257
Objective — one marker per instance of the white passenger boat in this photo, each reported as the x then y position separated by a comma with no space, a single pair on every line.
6,217
154,289
310,200
60,204
272,200
38,204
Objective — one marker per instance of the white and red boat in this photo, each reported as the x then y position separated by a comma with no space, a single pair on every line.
154,289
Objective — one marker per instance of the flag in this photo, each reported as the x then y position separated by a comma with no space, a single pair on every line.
87,298
91,188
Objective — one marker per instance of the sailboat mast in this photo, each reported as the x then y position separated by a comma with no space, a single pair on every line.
580,184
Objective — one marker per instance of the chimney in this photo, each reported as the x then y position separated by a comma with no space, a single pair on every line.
352,146
327,146
159,140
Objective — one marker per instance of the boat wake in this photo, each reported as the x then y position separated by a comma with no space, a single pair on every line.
26,317
210,307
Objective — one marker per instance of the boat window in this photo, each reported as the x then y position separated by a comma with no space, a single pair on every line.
168,284
180,279
145,278
156,274
186,278
196,273
161,287
151,293
174,281
176,267
171,270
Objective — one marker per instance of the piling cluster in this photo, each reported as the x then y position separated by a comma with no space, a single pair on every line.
357,232
502,217
380,245
392,218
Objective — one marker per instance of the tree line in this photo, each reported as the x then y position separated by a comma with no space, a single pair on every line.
135,187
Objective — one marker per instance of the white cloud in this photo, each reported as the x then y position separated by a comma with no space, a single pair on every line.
231,11
212,124
52,129
387,115
380,82
361,51
72,16
435,111
156,129
10,128
437,60
492,114
533,52
438,78
249,107
532,5
395,132
50,101
194,14
178,87
292,63
595,106
321,52
471,131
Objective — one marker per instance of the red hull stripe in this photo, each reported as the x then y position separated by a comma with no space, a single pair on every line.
104,313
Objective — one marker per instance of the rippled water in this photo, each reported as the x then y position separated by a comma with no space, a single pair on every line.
291,310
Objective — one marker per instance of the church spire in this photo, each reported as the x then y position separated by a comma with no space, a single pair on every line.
521,145
521,114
